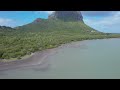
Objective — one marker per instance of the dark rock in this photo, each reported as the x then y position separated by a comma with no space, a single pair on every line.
67,15
37,20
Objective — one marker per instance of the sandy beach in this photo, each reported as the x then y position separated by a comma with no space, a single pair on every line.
36,58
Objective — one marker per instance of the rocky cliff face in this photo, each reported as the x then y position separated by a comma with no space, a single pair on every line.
67,15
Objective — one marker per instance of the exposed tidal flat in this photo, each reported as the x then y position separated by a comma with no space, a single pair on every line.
84,59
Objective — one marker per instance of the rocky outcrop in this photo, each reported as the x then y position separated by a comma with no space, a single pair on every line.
67,15
37,20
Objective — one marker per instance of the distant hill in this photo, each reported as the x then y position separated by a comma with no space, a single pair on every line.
6,28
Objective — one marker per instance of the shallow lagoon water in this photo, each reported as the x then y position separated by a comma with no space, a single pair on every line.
90,59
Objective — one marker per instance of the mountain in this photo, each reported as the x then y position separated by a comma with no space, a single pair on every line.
71,21
61,27
67,15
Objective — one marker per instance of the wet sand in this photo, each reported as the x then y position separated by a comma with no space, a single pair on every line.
35,59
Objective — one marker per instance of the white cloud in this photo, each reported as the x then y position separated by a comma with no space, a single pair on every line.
48,12
6,22
106,24
98,13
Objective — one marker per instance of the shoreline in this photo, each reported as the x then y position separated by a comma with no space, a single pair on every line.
38,57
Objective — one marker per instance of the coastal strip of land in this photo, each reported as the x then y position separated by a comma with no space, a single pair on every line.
36,58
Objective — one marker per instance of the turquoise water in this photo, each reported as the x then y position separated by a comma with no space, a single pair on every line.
93,59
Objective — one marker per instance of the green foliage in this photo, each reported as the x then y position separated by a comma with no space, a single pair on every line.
15,43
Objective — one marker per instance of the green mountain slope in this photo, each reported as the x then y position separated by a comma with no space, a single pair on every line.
45,34
57,25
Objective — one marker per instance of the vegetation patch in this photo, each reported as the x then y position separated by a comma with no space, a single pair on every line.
27,39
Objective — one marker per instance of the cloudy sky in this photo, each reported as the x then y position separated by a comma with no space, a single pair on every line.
105,21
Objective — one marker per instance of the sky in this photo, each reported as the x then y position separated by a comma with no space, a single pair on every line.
105,21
